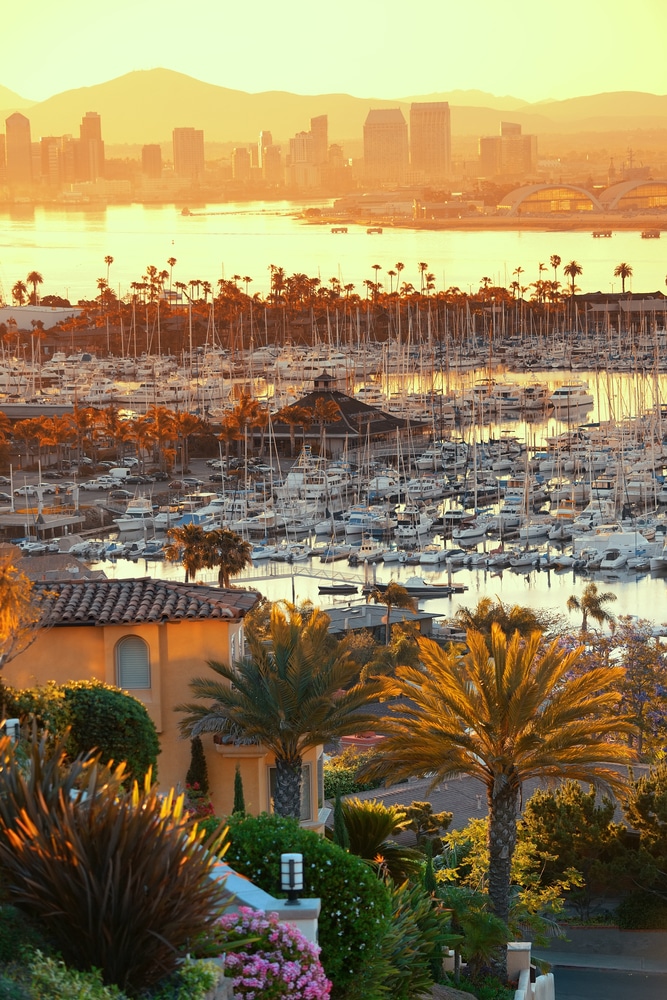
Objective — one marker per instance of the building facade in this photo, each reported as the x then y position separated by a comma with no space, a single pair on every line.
386,155
431,139
18,149
188,153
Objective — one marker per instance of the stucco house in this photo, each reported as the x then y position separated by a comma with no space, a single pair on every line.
151,637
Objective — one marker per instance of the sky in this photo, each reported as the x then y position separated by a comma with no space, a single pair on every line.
389,49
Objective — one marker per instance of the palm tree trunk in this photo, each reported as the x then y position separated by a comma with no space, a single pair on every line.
503,798
287,796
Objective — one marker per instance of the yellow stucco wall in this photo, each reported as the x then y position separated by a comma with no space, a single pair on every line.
179,651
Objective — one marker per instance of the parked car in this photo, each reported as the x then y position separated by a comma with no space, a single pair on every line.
33,491
138,480
5,481
96,484
130,462
192,482
217,477
159,477
52,474
5,498
215,463
121,495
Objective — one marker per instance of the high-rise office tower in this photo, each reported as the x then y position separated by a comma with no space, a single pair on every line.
319,131
51,159
509,154
91,147
241,164
431,138
385,146
265,142
151,160
188,152
272,165
18,149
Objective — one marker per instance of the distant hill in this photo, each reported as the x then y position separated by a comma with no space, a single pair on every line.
146,105
12,102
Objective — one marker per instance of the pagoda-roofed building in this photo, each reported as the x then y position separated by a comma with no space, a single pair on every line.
336,423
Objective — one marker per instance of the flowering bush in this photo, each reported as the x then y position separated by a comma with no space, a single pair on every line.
281,963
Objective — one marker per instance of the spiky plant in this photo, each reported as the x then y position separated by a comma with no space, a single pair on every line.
120,881
239,797
369,824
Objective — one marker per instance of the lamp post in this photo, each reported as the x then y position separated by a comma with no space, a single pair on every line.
291,876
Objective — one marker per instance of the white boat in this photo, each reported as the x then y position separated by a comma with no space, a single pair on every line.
613,559
369,551
570,396
138,515
433,555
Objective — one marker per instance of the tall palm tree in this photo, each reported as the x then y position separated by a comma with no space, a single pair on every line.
504,718
623,271
34,279
394,596
19,292
228,551
108,260
189,546
291,693
511,618
573,270
591,605
554,260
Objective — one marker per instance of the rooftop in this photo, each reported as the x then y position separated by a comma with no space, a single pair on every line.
138,601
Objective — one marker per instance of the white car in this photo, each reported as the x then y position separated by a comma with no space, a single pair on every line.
34,490
97,484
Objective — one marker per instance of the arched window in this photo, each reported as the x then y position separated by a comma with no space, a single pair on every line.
133,669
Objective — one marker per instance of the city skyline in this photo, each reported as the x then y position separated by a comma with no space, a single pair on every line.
529,55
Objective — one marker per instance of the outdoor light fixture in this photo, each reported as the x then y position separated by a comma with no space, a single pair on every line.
291,876
12,728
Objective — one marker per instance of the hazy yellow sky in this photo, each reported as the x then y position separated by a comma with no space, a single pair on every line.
393,48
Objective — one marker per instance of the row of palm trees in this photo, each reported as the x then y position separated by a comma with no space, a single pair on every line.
219,549
161,433
507,709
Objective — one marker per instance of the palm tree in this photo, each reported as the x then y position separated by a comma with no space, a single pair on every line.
394,596
591,605
189,546
171,261
554,260
228,551
370,824
108,260
623,271
34,279
504,713
511,618
19,292
573,270
292,692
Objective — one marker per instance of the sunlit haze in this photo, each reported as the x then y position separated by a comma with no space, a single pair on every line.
387,50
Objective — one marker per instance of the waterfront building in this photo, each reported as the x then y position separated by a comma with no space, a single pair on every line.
188,152
265,142
385,146
319,132
51,159
18,149
509,154
151,161
241,164
272,166
91,147
430,139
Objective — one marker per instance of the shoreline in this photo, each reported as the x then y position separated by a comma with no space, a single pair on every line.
541,223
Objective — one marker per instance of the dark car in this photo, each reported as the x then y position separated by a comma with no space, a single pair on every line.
5,498
121,495
138,480
160,477
5,481
52,474
217,477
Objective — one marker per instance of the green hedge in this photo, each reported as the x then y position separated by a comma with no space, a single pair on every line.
356,906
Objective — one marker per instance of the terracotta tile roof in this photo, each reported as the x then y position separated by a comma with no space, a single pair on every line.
138,601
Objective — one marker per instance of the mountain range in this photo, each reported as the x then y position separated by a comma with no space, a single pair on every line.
146,105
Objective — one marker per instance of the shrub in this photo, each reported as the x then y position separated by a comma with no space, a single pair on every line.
113,723
642,911
99,717
119,881
190,982
19,938
280,963
412,942
52,979
355,905
198,771
341,771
